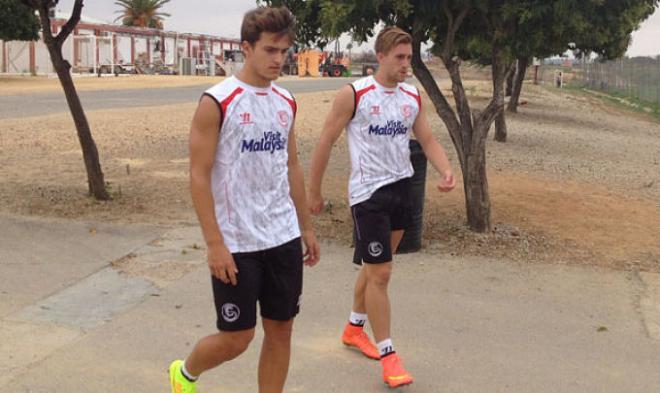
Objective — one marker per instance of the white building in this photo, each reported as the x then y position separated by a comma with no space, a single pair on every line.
95,43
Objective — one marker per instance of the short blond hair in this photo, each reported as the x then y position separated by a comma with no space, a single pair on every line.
390,37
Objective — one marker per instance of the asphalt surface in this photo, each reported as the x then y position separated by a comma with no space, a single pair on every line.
73,321
93,307
26,105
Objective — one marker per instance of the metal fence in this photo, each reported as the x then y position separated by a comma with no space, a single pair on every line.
637,78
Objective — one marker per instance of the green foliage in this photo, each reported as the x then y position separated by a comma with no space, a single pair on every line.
142,13
524,28
17,22
605,26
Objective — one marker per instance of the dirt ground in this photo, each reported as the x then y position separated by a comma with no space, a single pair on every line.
578,181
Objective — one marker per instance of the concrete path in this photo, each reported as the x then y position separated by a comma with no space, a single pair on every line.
461,325
15,106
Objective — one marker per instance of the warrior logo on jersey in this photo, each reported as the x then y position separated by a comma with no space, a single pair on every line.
271,142
245,118
283,118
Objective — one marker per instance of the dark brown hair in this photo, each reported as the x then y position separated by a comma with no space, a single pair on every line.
267,19
390,37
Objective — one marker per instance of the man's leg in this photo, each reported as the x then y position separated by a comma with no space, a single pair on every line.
208,353
379,312
358,294
359,305
213,350
373,292
353,332
275,355
376,299
236,310
396,239
279,300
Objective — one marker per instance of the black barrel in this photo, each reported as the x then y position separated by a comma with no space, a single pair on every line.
412,237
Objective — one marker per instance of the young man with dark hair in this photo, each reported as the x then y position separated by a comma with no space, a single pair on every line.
378,113
249,195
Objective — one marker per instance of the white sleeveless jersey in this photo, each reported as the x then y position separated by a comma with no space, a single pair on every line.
378,136
250,174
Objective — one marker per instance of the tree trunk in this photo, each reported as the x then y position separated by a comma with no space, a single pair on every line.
509,83
500,120
95,181
523,63
500,127
468,136
477,198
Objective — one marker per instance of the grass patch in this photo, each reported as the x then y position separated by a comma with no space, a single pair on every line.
620,100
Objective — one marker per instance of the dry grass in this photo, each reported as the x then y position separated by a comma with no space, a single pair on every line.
577,182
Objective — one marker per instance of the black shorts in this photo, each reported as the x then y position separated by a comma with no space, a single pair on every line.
272,277
389,209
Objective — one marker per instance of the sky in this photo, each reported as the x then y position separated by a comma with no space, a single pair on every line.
223,18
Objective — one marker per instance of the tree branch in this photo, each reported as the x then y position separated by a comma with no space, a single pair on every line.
449,40
71,23
452,29
496,104
442,107
460,18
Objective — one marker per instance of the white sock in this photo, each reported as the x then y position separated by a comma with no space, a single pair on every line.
385,347
187,374
357,319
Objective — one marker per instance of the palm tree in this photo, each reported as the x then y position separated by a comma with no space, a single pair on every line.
142,13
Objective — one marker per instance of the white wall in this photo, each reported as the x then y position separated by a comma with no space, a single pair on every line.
170,50
123,49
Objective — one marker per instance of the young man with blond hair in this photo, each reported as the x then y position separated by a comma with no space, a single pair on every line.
378,113
249,195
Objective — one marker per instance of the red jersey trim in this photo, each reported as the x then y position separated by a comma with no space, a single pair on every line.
361,92
225,103
291,102
413,95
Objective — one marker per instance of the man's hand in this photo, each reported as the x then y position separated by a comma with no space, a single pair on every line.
312,251
448,182
315,203
221,263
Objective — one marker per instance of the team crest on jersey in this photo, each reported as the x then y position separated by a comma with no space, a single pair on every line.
283,118
406,110
375,110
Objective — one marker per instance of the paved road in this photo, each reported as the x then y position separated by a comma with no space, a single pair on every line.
46,103
461,324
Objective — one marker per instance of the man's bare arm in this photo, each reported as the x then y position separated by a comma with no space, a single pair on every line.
339,116
297,191
434,151
204,135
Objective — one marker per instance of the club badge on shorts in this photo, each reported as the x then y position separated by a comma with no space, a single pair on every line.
230,312
375,249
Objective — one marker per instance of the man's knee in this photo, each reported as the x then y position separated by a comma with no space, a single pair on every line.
237,342
277,331
379,274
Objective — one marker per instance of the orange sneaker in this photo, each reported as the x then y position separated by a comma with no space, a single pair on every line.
354,336
394,375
